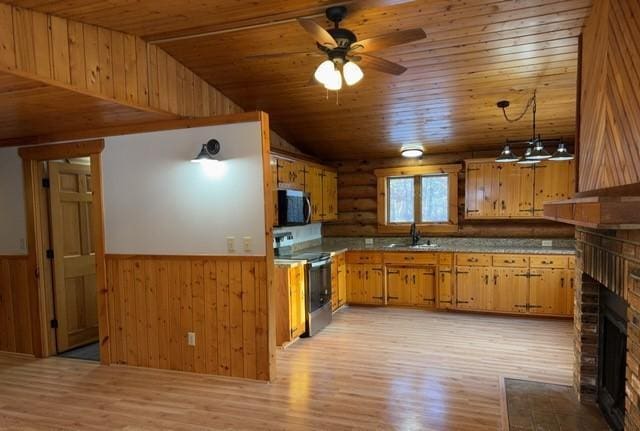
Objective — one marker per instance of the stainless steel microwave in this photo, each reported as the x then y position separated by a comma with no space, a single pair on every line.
294,208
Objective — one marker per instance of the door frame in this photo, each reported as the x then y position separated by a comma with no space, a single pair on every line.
36,259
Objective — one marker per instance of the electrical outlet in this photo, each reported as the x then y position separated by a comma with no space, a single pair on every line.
368,241
247,243
547,243
191,338
231,244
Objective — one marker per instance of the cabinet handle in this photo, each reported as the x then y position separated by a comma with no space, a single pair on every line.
562,282
571,283
414,279
409,258
486,279
366,275
544,262
495,279
472,259
442,277
504,206
509,261
406,279
494,204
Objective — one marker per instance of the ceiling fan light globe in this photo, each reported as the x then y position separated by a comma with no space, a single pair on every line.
352,73
334,81
323,71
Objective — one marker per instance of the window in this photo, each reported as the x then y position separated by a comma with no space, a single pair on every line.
425,195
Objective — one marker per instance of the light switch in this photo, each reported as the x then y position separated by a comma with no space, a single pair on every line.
191,338
247,243
231,244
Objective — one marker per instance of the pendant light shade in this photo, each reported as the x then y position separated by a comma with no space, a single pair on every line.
507,156
526,159
352,73
334,81
324,71
561,154
538,152
412,151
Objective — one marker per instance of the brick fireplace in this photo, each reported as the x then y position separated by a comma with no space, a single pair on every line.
607,263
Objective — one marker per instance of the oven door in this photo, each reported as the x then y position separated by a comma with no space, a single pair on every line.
319,285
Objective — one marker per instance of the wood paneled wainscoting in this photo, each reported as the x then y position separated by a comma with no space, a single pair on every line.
154,301
15,319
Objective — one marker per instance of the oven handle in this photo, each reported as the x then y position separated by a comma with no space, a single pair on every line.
307,208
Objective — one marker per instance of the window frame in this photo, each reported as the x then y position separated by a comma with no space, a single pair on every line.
417,172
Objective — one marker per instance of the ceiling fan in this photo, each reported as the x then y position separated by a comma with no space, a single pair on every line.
345,53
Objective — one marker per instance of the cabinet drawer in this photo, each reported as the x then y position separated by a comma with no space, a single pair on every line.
511,260
445,259
420,258
363,257
549,261
473,259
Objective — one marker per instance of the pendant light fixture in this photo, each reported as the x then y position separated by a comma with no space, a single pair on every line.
507,156
561,154
535,151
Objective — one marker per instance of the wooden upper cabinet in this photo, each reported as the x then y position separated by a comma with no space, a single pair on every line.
313,186
554,181
509,190
329,195
291,174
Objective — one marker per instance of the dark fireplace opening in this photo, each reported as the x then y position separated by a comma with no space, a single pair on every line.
612,353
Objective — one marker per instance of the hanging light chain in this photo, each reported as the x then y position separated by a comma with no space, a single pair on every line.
530,103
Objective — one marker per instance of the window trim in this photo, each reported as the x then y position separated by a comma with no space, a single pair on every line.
417,172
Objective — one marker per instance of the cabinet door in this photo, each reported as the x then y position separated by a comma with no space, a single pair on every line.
399,285
298,174
553,181
423,289
546,294
334,284
472,284
342,281
297,308
568,284
285,172
516,190
313,186
373,289
329,196
446,295
482,191
509,290
355,283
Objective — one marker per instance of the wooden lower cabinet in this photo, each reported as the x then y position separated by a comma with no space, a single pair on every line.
365,284
509,290
446,295
338,281
290,302
472,287
547,291
415,286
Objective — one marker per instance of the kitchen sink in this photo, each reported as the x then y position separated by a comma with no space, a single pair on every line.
419,246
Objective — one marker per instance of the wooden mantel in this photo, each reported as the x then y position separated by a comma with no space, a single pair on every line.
596,212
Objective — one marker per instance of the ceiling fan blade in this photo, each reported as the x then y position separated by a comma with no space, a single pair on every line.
282,54
318,33
388,40
379,64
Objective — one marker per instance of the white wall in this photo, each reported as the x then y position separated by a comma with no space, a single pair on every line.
156,202
13,229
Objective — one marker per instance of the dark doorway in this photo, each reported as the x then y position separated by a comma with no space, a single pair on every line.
612,357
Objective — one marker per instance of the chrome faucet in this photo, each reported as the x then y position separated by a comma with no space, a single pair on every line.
415,235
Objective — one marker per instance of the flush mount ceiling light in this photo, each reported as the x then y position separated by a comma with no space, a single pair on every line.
207,152
412,151
535,151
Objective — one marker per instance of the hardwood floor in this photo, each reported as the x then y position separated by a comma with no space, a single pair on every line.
372,368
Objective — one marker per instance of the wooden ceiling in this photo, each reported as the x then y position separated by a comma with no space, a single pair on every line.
29,109
476,53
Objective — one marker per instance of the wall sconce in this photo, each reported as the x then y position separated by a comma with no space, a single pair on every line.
207,152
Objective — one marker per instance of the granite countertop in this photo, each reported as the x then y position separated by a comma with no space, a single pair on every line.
459,245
